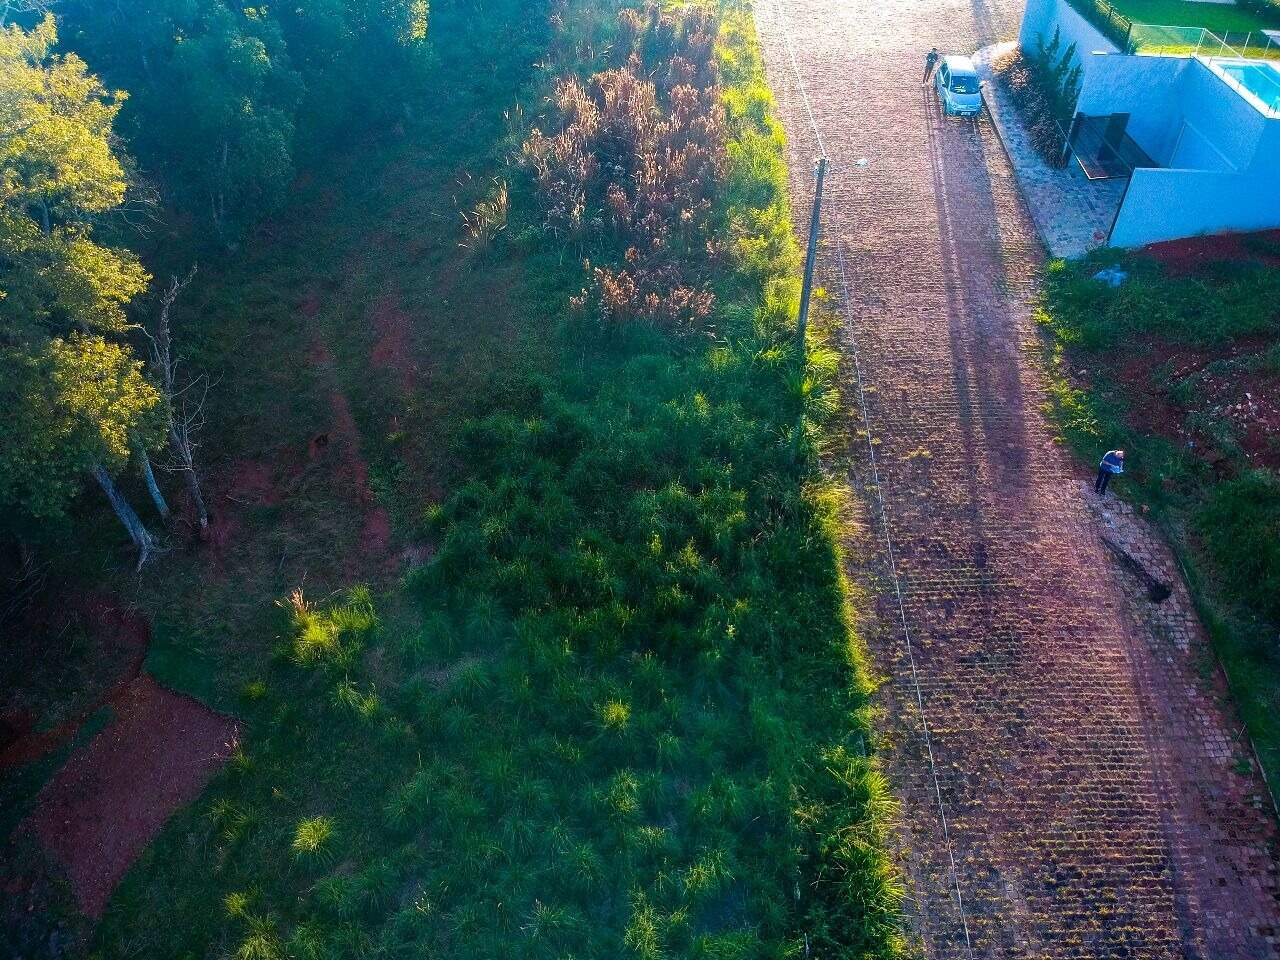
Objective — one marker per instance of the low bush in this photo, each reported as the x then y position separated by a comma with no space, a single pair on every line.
1240,526
1044,83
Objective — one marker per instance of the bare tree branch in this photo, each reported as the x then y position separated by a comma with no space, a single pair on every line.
10,9
184,414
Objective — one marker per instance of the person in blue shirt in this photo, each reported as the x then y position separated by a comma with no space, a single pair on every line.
1112,464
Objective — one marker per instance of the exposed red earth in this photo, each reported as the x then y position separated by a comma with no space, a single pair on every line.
1195,253
102,808
393,350
342,442
112,796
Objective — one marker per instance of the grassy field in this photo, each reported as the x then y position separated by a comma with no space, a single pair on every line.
1180,366
1137,24
1217,17
616,706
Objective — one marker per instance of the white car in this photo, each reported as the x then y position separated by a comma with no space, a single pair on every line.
959,88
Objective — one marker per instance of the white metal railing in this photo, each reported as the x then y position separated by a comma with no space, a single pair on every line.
1257,45
1157,40
1265,89
1217,51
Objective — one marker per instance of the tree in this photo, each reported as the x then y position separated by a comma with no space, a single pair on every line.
225,96
212,114
11,10
73,394
182,414
363,62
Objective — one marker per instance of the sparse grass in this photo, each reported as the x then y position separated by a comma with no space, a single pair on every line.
1218,506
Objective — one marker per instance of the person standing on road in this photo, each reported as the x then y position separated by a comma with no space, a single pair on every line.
930,61
1112,464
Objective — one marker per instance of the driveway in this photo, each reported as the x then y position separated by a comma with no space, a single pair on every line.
1073,788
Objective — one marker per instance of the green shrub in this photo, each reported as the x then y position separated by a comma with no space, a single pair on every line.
1241,528
1230,301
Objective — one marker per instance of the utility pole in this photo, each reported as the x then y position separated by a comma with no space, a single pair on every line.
806,290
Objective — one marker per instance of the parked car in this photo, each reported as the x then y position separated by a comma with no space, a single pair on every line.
958,85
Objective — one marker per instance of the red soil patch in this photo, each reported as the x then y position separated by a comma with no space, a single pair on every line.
1249,401
250,481
123,635
1192,255
244,483
224,529
345,441
375,535
102,808
309,306
393,350
319,355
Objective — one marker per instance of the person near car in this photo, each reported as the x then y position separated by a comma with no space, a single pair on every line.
1112,464
930,61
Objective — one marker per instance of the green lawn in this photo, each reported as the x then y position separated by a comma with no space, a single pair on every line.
1217,17
618,707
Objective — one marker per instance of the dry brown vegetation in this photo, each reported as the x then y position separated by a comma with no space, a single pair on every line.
631,163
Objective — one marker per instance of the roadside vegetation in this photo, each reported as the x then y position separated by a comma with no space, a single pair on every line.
597,690
1180,366
1043,83
1240,17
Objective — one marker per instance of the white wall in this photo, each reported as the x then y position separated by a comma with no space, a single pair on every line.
1170,204
1040,18
1149,89
1228,120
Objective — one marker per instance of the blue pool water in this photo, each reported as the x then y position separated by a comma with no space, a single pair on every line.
1260,79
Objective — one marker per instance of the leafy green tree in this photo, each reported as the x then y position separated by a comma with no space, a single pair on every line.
214,97
74,396
363,62
225,96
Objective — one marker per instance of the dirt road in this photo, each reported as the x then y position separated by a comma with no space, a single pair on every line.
1080,801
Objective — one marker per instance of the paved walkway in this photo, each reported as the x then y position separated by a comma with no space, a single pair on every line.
1072,214
1093,807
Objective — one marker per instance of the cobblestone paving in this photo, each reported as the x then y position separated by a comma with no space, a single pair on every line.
1096,804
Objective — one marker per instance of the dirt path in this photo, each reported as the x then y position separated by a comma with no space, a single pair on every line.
1095,805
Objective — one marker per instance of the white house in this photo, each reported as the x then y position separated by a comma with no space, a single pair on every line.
1197,133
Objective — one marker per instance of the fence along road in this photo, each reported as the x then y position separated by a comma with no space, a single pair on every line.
1084,815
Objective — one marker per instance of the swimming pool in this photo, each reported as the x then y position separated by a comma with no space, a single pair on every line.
1262,80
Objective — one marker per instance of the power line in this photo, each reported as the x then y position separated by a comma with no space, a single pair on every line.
780,17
